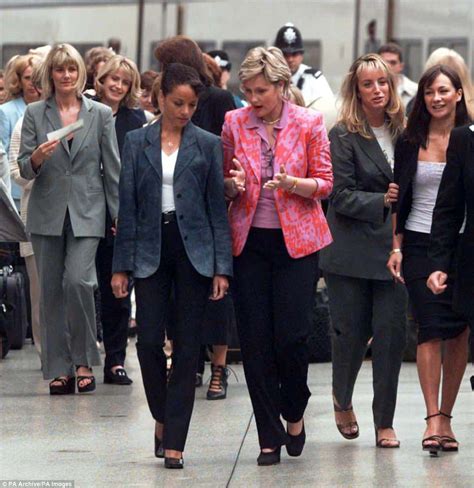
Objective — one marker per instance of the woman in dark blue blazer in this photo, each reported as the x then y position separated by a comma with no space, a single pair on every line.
172,231
118,86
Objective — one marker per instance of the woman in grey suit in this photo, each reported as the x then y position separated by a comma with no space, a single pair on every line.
172,231
364,300
74,180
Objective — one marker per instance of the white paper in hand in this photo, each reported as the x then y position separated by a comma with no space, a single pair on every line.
59,134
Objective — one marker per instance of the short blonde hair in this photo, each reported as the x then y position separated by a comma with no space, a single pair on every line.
268,62
115,63
352,114
455,61
13,73
62,55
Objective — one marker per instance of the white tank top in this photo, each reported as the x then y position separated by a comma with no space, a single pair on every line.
425,190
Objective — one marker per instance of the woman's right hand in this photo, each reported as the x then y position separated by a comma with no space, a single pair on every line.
394,265
120,285
238,176
43,152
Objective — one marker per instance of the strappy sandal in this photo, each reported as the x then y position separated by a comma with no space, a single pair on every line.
66,386
446,439
347,425
385,442
89,386
432,444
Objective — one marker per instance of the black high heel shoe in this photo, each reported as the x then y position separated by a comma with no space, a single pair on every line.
174,463
159,451
269,458
432,444
67,386
295,447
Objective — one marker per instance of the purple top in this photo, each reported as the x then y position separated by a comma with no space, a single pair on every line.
266,215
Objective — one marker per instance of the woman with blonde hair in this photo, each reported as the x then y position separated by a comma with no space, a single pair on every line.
118,86
364,300
20,91
75,178
277,168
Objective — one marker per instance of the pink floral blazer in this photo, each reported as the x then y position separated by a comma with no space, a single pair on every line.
303,148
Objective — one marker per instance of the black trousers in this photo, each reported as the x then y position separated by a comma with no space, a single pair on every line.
114,312
361,309
274,297
171,403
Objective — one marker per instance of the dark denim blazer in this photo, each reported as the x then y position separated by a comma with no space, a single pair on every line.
198,187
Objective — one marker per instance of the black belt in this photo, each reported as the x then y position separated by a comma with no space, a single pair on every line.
167,217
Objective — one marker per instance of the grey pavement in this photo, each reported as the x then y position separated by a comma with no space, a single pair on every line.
106,439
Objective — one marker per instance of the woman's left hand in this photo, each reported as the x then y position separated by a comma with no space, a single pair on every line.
220,285
280,180
392,193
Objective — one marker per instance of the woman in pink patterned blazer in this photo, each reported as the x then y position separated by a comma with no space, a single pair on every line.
277,168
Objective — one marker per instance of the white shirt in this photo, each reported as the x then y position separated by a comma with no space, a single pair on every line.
315,86
384,138
168,164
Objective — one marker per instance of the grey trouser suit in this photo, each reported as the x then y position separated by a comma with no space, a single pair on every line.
66,218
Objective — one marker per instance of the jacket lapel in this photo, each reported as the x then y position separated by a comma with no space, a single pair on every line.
251,146
372,149
186,151
153,150
87,114
52,114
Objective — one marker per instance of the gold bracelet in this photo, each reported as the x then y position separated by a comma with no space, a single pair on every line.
292,188
393,251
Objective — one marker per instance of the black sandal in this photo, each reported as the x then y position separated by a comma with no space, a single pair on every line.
218,384
347,425
446,439
88,387
434,441
66,386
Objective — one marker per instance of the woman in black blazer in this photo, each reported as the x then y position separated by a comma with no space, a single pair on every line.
117,85
214,103
363,299
172,231
420,157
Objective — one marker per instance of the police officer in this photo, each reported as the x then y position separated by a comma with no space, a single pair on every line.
316,91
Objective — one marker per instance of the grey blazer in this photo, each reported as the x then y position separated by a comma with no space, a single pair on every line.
198,188
359,221
80,180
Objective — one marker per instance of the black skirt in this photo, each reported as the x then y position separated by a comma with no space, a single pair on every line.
433,314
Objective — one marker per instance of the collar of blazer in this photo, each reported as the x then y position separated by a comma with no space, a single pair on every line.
373,151
86,113
186,151
287,139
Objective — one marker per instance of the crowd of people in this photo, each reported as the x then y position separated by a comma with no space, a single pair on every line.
209,207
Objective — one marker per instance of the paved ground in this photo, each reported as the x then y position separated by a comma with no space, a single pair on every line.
106,439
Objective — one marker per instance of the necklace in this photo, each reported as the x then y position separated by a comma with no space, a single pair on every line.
271,122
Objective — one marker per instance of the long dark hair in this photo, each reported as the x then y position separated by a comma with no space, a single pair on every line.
419,119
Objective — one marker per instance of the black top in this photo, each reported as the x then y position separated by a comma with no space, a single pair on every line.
127,119
214,103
